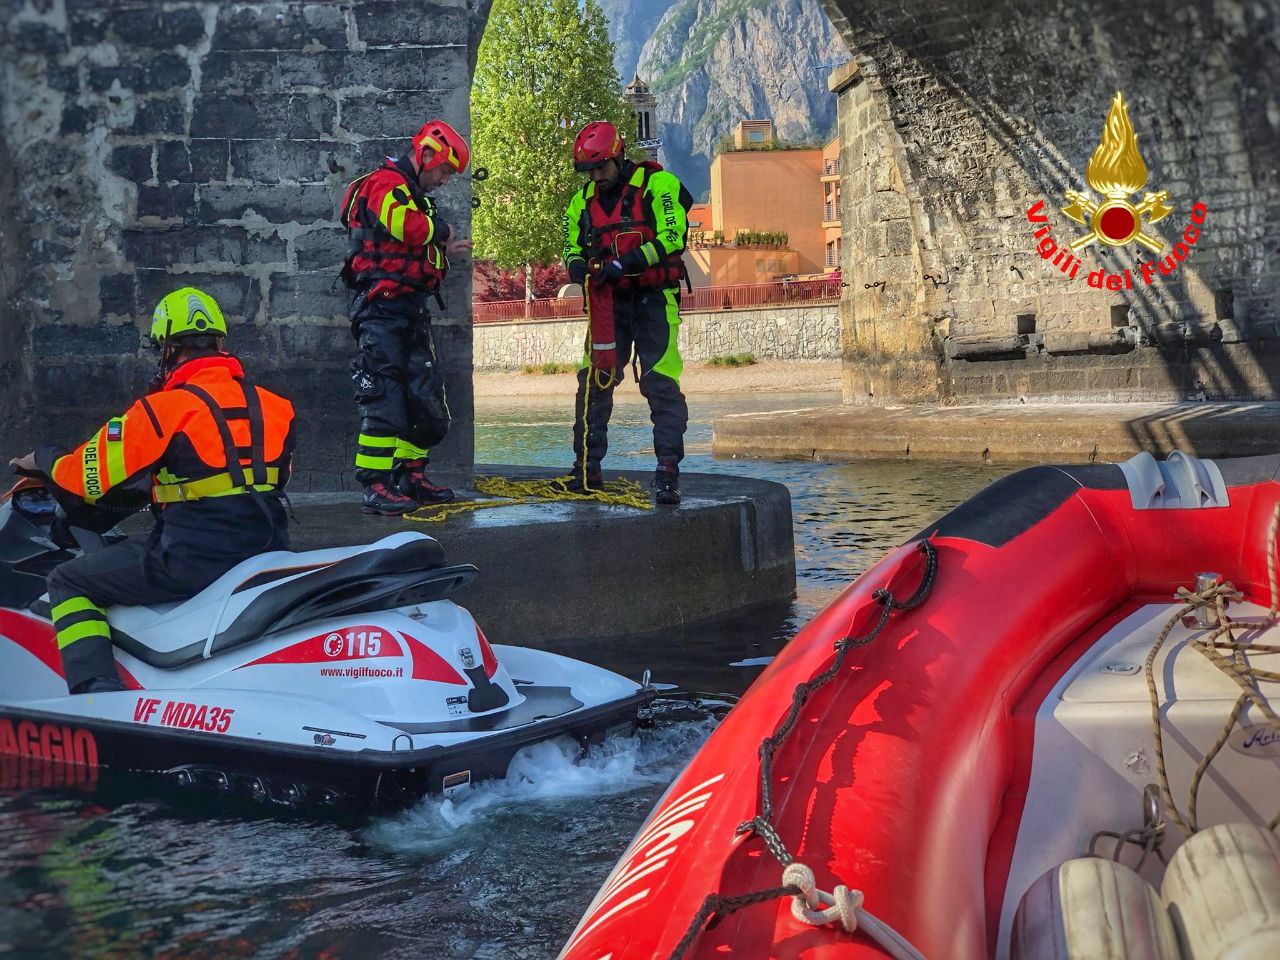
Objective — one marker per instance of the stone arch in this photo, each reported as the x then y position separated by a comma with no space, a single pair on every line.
996,106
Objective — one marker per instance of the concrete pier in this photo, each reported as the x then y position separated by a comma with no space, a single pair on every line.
553,574
1022,433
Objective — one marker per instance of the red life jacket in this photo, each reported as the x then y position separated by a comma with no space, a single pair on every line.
374,256
625,228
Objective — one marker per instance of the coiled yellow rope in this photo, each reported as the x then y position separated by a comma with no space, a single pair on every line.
620,493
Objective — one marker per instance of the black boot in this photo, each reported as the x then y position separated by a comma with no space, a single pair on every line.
385,501
578,482
666,483
412,482
100,685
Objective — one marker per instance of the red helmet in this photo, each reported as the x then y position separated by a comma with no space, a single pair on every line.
447,143
597,144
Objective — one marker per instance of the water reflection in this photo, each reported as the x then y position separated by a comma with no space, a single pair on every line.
502,873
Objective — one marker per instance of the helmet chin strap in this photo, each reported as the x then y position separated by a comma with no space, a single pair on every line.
163,366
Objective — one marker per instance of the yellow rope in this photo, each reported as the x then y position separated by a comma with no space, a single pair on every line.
620,493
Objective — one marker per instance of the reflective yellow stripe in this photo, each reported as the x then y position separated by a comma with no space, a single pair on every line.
366,440
670,364
374,463
219,485
115,455
78,631
650,254
74,605
91,469
385,215
637,178
410,451
396,226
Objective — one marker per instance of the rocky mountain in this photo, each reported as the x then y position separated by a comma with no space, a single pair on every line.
712,63
631,23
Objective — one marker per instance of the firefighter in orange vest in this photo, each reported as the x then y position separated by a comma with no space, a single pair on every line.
624,235
214,451
398,255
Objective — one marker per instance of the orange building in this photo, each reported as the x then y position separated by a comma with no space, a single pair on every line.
767,213
831,203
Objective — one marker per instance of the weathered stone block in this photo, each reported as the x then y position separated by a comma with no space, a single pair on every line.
131,162
77,119
65,79
116,293
80,340
209,160
158,72
306,295
312,341
151,26
38,38
296,161
900,239
303,203
421,67
392,115
392,23
169,202
185,245
159,116
303,117
321,249
281,26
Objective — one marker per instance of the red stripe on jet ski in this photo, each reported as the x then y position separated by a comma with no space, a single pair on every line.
34,636
429,665
351,643
37,638
486,651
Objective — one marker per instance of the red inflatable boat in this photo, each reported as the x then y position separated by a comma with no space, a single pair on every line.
974,713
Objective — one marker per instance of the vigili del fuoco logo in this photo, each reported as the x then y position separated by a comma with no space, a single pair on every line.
1116,171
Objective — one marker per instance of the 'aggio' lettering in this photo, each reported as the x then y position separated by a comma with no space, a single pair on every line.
48,741
183,715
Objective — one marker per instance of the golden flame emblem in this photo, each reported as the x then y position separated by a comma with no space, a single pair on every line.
1116,171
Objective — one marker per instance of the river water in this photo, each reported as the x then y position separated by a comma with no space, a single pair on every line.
506,870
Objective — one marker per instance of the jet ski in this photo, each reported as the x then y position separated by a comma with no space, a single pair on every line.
344,675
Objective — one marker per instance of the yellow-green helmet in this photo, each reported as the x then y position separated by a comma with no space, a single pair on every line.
186,312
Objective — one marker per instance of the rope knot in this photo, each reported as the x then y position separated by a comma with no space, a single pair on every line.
817,907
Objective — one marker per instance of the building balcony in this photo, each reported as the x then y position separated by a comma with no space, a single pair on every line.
830,171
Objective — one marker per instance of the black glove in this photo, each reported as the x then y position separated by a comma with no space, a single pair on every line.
612,271
577,270
633,262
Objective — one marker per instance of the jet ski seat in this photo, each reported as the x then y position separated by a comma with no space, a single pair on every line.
280,590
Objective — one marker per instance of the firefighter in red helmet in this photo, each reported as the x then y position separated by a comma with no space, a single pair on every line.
397,257
624,234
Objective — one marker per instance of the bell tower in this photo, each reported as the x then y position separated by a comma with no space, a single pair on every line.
644,108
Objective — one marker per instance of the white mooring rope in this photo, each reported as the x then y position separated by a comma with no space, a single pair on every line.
818,908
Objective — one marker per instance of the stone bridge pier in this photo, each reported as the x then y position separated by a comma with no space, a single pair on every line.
957,117
146,145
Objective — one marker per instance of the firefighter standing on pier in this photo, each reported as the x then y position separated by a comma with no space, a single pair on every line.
398,255
624,234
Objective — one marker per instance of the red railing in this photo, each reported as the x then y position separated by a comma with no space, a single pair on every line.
737,297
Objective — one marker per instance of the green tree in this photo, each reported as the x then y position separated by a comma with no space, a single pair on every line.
545,69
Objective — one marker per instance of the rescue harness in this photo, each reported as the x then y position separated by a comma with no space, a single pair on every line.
373,254
612,234
260,478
